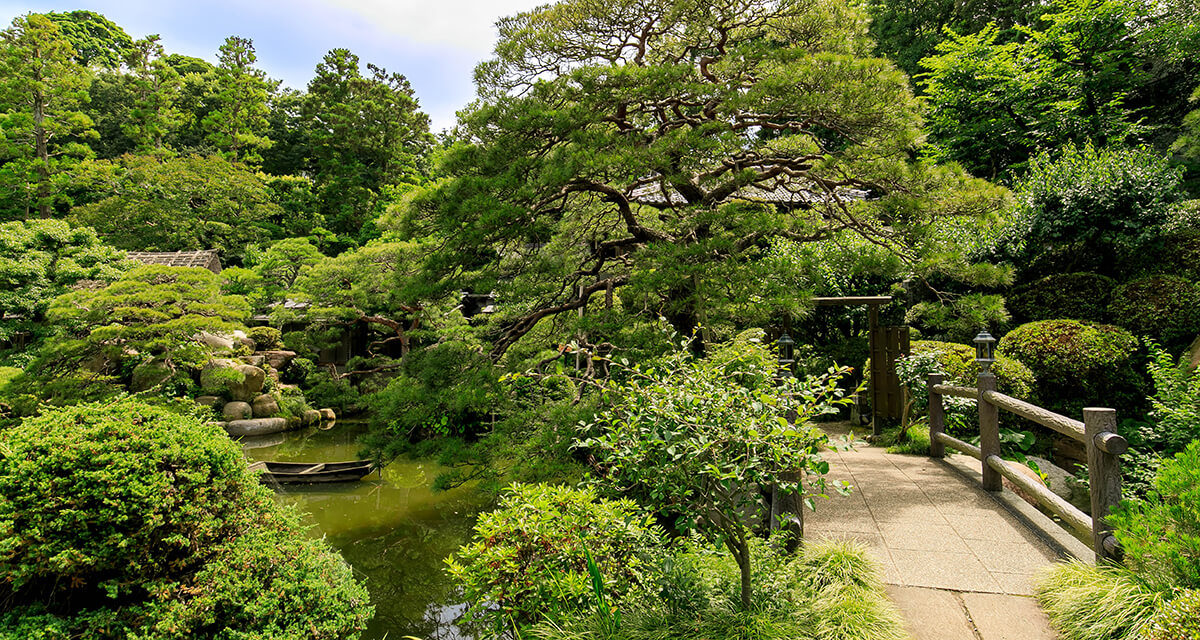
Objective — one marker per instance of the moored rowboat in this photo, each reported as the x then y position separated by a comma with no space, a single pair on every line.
312,472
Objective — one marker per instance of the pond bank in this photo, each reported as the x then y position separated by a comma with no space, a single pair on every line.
391,527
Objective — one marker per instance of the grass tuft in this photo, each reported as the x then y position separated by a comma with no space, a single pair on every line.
1086,602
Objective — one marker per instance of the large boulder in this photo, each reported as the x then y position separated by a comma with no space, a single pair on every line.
215,342
256,426
231,378
218,374
278,358
252,382
264,406
255,360
237,411
150,374
328,415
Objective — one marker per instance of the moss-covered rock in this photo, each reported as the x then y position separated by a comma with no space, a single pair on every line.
1077,296
1077,364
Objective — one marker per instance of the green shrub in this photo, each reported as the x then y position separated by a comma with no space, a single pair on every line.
684,431
1177,619
1077,296
1086,602
266,338
830,591
128,520
1161,535
958,363
445,390
529,557
1099,201
1078,364
1163,308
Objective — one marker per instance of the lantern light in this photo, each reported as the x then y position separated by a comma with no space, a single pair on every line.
985,347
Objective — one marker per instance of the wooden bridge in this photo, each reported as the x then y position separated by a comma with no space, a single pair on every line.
958,559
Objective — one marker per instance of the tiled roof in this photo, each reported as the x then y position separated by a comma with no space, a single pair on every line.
207,259
796,195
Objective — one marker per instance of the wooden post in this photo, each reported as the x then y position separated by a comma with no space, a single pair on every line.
1104,476
876,348
937,417
989,431
791,511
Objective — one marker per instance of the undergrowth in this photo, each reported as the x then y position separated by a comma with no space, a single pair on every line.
831,590
1086,602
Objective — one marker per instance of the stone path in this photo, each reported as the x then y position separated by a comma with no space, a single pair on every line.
958,564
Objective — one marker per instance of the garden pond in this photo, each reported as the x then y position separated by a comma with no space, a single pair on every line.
392,528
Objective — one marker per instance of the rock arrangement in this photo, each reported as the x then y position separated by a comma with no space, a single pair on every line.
234,386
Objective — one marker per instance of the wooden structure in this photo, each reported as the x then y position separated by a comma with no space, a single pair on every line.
312,472
207,259
1098,432
886,345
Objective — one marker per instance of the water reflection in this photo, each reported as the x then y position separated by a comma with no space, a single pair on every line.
390,526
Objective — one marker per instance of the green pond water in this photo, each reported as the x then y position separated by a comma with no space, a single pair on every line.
391,527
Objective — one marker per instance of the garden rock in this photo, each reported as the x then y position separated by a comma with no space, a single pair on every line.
310,417
217,374
279,359
1193,354
1064,485
150,374
237,411
265,406
328,415
255,360
251,384
256,427
207,401
215,342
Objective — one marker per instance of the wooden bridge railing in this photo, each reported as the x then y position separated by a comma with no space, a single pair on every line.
1097,432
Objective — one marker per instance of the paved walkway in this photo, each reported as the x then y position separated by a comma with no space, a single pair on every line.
957,562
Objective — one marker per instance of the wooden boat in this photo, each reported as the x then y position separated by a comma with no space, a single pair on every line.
312,472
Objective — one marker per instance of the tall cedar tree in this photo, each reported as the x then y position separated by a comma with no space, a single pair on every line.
41,90
156,86
645,143
237,123
367,135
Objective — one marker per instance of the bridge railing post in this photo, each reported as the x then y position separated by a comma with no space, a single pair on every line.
1104,476
937,416
989,431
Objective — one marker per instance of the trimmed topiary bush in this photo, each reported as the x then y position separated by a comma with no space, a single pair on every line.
129,520
1078,364
1163,308
1077,296
266,338
958,362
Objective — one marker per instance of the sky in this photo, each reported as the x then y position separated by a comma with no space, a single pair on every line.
434,43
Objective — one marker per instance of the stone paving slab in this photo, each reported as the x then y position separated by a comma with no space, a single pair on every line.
957,563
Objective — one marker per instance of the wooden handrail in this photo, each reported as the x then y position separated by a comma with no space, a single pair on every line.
970,393
1071,515
1045,417
1097,431
962,446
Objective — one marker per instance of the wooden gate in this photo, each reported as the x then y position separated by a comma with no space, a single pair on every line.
887,344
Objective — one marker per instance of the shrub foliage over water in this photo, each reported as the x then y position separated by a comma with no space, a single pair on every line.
130,521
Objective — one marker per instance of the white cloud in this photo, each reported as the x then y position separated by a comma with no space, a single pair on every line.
467,25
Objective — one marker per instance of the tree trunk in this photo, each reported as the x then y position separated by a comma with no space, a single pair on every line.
42,151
